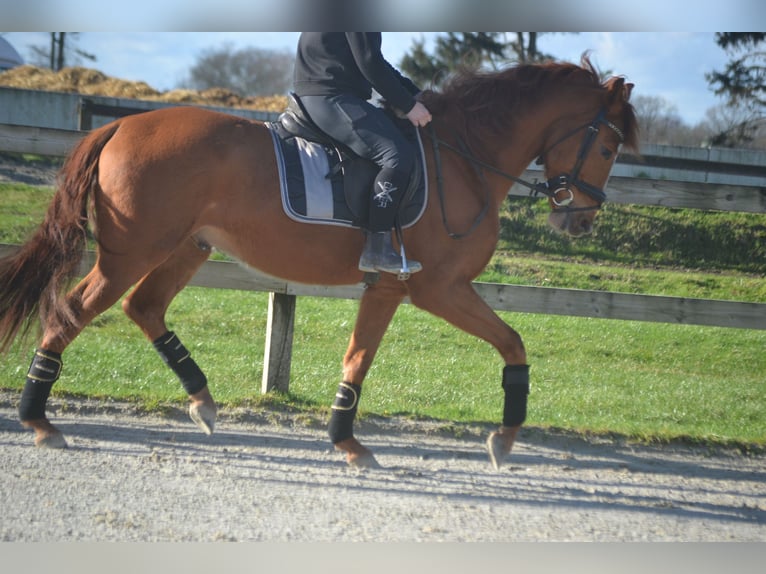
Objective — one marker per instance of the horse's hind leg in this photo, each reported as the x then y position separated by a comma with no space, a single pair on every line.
147,305
376,309
97,291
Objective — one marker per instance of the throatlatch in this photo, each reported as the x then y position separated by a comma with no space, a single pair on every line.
344,411
43,372
178,358
516,387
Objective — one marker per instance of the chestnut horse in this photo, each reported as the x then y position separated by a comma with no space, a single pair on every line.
161,188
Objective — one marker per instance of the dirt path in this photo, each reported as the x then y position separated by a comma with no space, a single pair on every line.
269,476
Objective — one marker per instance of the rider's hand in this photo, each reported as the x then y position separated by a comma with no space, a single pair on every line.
419,115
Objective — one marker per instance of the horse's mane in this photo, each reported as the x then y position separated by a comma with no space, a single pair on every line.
491,101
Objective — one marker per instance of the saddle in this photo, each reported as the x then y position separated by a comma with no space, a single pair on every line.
324,182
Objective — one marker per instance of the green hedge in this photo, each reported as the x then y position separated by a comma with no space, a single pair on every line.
642,235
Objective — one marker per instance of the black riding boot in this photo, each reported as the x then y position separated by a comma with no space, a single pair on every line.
379,255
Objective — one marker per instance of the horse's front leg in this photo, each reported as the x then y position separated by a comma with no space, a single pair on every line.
376,309
459,304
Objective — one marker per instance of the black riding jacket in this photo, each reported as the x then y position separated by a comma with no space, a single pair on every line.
331,63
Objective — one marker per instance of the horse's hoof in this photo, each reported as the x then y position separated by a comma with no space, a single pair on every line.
366,460
54,440
496,449
203,416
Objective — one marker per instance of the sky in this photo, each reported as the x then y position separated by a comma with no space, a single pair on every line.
670,65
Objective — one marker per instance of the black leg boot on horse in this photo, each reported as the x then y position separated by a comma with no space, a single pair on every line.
379,254
516,388
179,359
43,372
341,426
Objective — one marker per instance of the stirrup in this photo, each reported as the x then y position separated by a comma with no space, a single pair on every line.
404,272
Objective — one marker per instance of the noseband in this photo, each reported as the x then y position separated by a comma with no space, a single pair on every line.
552,188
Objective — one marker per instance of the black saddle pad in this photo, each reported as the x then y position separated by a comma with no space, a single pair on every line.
322,184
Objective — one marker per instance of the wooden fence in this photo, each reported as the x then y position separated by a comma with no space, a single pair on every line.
730,180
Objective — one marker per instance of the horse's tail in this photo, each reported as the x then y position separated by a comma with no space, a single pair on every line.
33,279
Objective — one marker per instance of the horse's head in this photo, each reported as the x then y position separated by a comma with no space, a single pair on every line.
579,156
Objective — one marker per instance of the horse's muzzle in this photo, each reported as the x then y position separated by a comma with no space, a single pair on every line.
572,223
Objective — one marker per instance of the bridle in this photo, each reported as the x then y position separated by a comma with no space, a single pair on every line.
552,188
563,182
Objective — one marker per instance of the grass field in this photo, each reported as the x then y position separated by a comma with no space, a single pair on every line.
644,380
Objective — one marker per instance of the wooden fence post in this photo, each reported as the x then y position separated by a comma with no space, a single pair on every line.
279,343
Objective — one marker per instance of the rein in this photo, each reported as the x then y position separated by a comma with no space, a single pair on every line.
476,164
550,188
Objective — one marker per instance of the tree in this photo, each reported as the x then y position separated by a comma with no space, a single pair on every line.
60,52
452,51
247,71
734,126
525,47
658,119
421,67
743,82
457,50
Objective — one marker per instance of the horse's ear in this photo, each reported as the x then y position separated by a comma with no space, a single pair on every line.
619,91
628,89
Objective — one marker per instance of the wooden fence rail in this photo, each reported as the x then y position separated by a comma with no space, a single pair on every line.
505,297
501,297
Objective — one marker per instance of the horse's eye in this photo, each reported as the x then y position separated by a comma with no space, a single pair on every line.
606,152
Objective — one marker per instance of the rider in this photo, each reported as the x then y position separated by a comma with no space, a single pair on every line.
335,73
